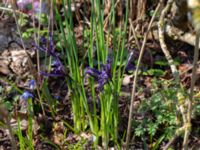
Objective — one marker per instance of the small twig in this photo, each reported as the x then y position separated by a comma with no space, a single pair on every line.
170,142
161,31
134,34
189,102
136,76
177,134
30,63
11,10
12,138
1,15
6,119
38,36
107,18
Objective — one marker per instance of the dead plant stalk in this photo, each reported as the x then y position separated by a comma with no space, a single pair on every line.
161,30
190,100
30,63
136,75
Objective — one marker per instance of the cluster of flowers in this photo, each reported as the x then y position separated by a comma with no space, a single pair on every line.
56,66
102,76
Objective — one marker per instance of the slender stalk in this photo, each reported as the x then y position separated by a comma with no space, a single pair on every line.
5,118
161,30
31,68
134,34
194,75
136,77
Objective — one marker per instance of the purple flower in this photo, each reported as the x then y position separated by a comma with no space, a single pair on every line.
26,95
57,97
44,7
103,76
31,84
23,4
32,6
57,66
43,40
49,49
57,70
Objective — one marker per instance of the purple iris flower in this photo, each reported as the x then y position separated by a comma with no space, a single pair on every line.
103,76
50,50
31,84
26,95
57,69
57,66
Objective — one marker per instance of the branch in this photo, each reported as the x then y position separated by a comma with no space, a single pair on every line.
161,29
189,102
136,76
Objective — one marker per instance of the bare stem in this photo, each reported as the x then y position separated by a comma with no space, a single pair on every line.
136,76
5,118
30,63
161,30
134,34
189,102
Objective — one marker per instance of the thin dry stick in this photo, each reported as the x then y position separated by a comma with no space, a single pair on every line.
31,68
136,76
5,118
38,36
137,41
189,102
184,118
169,143
134,34
161,30
3,12
11,10
177,134
13,141
107,18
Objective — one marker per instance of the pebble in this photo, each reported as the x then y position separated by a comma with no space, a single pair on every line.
127,80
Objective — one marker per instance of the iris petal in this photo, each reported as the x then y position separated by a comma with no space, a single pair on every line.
103,76
57,66
26,95
92,72
31,84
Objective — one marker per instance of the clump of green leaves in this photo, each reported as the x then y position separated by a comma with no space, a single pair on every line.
159,114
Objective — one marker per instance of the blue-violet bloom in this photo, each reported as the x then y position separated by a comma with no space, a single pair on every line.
57,69
31,84
26,95
50,50
103,76
57,66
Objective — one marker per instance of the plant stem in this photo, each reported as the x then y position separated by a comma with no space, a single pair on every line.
136,76
189,111
161,28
